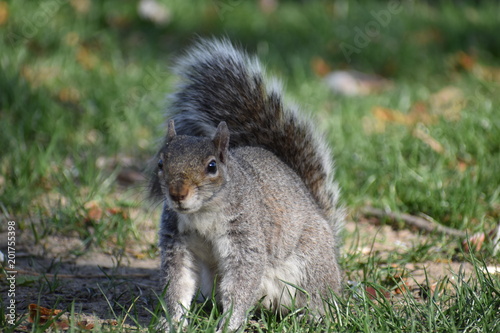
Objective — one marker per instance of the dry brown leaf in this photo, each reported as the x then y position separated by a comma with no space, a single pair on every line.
398,281
462,166
403,287
118,211
114,210
465,61
42,313
419,113
448,102
320,67
86,58
390,115
4,12
425,137
69,94
61,324
373,294
85,325
94,211
81,6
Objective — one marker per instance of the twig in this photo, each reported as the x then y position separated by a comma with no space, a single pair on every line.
414,221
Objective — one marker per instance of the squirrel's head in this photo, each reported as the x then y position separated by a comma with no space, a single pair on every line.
193,169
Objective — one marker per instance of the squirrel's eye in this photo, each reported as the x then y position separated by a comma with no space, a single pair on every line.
212,167
160,164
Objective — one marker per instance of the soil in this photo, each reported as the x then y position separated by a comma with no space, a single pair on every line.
102,286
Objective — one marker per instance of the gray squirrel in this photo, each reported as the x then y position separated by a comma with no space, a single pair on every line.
248,190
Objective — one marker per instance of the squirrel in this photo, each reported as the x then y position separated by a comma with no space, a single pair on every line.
249,196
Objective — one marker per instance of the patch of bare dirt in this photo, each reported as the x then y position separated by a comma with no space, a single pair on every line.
382,241
59,272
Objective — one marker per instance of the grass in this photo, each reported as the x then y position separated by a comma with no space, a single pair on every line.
81,92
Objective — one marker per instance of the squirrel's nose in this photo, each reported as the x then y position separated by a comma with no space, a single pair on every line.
178,191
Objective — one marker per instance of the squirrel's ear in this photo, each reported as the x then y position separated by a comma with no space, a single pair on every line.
171,130
221,141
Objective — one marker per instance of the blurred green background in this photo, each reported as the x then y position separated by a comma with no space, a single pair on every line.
83,84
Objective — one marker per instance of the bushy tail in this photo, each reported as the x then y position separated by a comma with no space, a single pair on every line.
220,82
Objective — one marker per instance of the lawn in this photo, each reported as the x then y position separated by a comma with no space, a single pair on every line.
82,88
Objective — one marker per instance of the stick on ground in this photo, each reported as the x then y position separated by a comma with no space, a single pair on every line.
413,221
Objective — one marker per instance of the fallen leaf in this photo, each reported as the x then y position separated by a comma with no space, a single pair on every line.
382,116
4,12
397,281
403,287
94,211
61,324
85,325
419,113
465,61
81,6
448,103
69,94
390,115
374,294
320,67
425,137
43,314
118,211
462,166
86,58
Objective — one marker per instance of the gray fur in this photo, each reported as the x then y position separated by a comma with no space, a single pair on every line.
269,211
